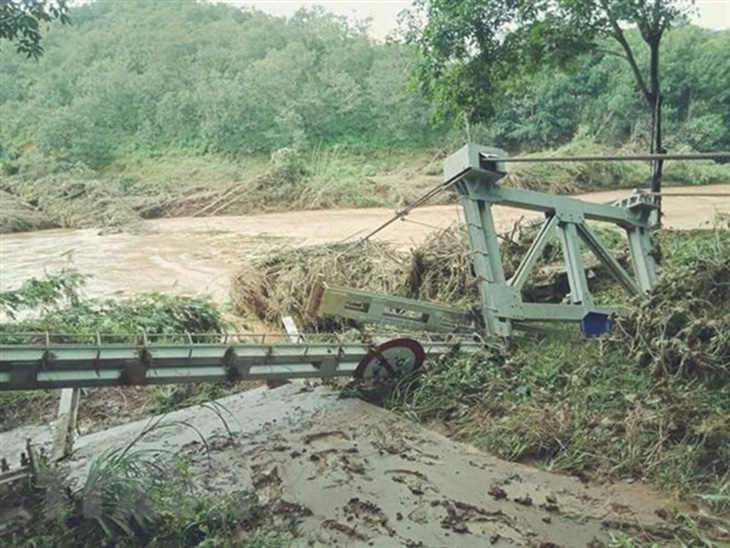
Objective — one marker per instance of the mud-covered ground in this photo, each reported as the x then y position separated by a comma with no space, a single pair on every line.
351,474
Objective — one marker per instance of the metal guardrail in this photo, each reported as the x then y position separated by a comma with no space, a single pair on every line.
45,363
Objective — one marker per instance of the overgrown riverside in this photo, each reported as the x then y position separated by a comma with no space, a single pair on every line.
151,109
55,304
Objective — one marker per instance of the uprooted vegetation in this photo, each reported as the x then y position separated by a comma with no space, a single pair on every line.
285,282
439,270
55,194
683,329
76,196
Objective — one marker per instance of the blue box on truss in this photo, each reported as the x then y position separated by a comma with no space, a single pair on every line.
595,324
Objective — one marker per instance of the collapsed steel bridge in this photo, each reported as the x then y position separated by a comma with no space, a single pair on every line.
46,364
43,361
473,173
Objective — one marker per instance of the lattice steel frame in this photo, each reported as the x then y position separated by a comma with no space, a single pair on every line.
473,173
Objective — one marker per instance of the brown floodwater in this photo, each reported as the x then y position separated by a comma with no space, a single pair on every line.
194,256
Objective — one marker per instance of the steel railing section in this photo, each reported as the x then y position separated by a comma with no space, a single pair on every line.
45,364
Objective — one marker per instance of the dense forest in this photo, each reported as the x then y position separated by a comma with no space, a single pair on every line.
165,77
149,109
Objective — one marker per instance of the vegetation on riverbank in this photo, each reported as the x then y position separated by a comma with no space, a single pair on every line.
56,305
132,190
179,108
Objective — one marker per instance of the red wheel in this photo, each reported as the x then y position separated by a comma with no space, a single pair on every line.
399,356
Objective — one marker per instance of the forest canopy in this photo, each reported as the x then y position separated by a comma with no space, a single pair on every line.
169,77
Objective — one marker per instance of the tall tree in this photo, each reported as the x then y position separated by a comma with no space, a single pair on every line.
473,51
20,22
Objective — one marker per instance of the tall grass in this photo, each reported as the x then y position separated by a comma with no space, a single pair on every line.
129,498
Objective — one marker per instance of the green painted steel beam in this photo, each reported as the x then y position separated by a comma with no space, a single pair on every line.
481,167
28,367
411,314
522,273
642,258
561,205
579,292
538,312
603,255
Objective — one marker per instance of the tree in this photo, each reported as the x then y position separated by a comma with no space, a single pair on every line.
473,51
20,22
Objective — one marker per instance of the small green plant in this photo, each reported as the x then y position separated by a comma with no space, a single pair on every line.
128,498
54,304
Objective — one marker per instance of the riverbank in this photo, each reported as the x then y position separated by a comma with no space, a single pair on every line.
42,193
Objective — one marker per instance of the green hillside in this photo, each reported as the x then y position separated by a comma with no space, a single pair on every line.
141,103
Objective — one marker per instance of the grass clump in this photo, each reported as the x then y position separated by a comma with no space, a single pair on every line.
440,269
129,499
683,328
55,304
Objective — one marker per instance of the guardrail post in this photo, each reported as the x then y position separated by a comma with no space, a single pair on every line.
63,436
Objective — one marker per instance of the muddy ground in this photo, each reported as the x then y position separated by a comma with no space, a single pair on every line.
347,473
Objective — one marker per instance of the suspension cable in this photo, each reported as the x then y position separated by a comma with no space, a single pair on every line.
408,208
719,156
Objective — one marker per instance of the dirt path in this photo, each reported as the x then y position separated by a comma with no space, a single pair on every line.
198,255
351,474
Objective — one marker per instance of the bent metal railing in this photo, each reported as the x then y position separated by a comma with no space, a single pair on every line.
43,360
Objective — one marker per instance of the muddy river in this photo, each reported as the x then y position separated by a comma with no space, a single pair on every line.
199,255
